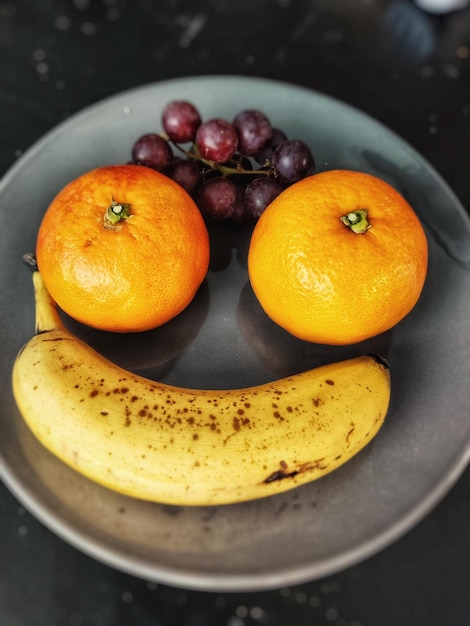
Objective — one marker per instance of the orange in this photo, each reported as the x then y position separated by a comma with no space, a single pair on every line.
123,248
323,282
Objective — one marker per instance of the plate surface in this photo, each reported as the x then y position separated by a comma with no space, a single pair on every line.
224,340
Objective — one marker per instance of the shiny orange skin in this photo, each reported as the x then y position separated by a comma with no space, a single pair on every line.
321,281
135,275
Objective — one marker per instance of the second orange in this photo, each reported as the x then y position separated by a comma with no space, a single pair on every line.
338,257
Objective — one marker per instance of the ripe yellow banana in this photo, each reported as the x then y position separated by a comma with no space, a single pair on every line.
188,446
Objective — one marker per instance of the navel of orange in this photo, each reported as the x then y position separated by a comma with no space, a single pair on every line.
338,257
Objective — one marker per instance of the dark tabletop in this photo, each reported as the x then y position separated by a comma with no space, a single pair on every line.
406,68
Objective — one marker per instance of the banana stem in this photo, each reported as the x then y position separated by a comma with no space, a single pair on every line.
47,316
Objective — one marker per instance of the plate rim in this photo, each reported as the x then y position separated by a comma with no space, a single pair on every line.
228,582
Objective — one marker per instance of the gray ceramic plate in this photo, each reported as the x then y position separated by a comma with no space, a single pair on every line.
224,340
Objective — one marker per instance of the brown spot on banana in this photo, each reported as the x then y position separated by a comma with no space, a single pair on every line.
282,473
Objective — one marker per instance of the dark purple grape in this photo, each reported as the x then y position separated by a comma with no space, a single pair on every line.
240,212
180,121
153,151
278,137
217,198
254,131
266,155
186,173
292,161
217,140
260,193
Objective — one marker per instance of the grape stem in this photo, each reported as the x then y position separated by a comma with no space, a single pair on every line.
224,169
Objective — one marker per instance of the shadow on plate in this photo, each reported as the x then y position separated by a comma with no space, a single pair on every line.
153,348
282,353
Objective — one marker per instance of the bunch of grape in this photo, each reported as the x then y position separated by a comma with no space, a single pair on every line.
232,169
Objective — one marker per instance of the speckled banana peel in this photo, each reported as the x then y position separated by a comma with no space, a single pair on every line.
191,447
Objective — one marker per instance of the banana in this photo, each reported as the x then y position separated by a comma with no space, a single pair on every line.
184,446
